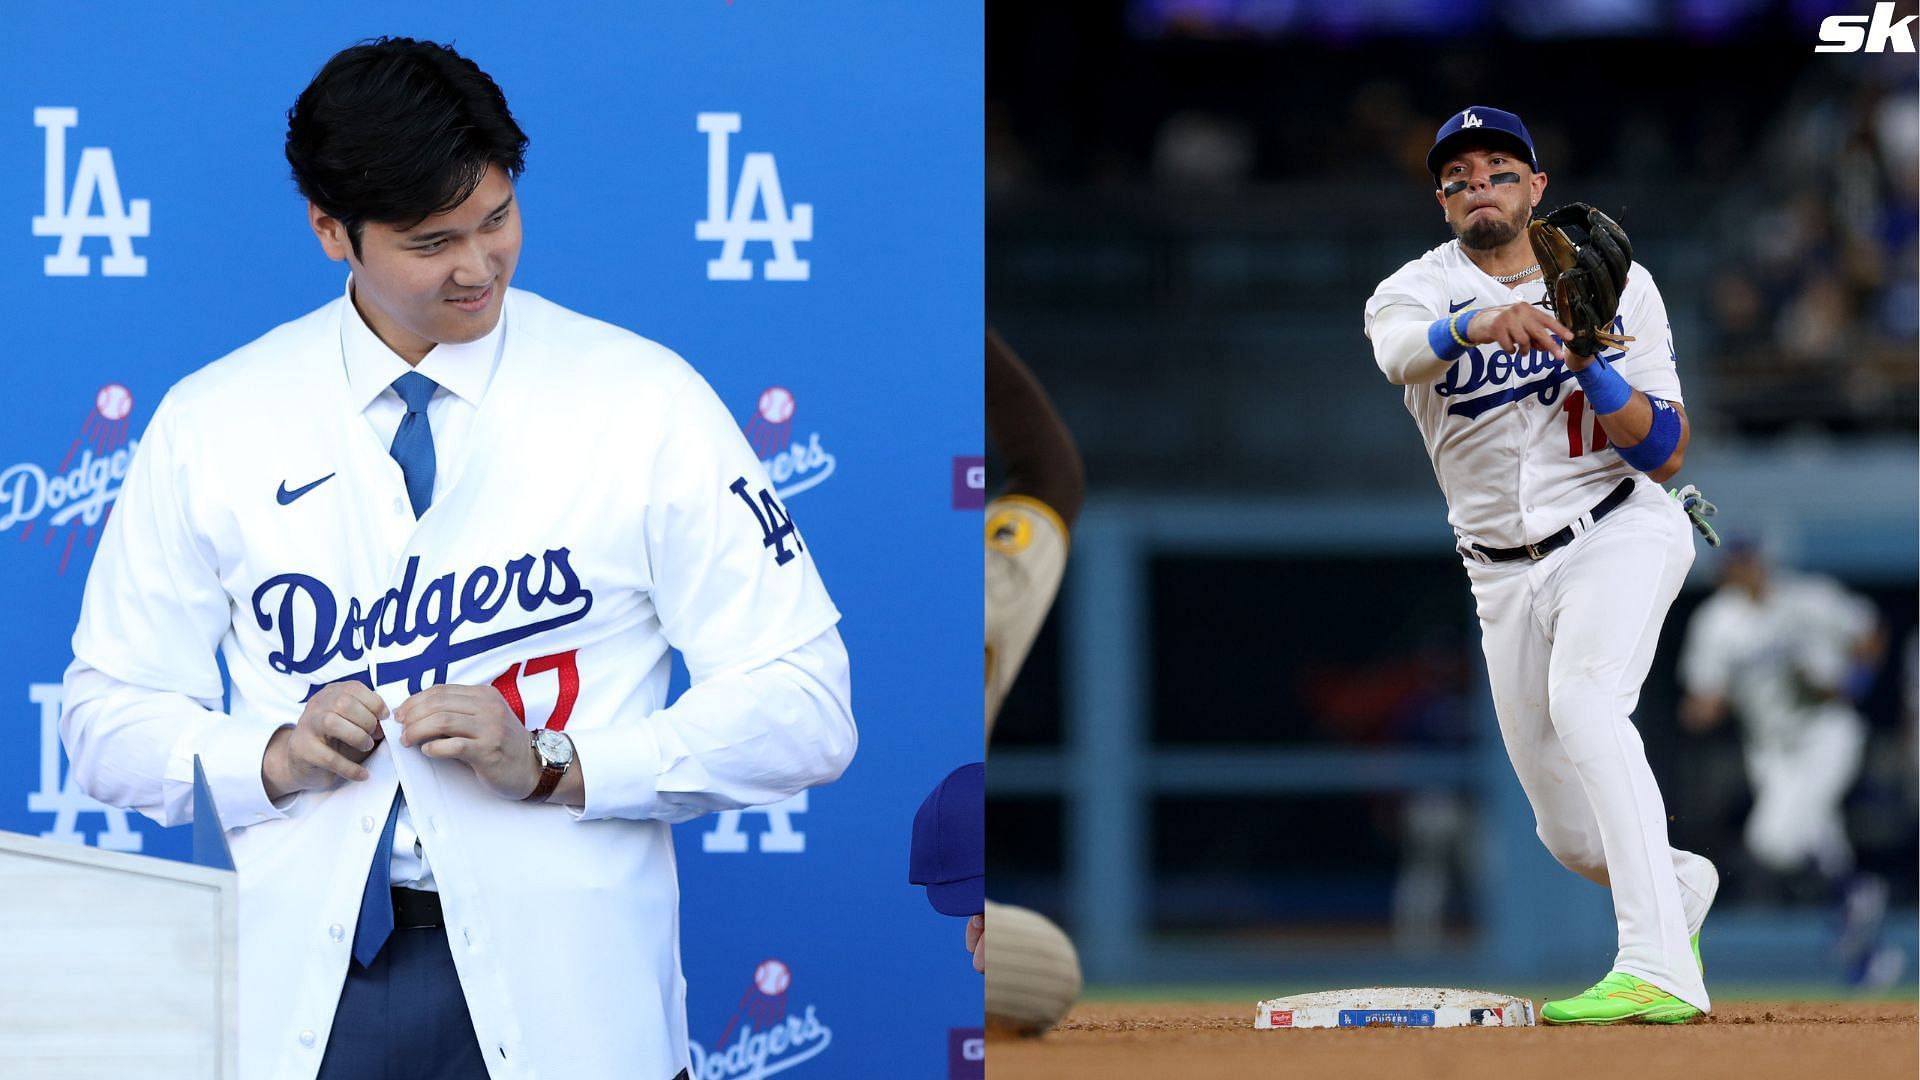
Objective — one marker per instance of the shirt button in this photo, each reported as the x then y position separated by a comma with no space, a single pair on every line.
366,824
337,932
1529,508
399,507
306,1038
467,933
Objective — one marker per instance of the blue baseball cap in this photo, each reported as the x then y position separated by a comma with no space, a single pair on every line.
949,843
1472,125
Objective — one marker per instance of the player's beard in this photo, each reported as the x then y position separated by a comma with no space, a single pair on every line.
1488,234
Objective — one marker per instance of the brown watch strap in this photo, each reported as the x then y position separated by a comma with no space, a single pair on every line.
550,776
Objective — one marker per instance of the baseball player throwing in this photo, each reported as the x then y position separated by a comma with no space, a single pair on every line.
1545,420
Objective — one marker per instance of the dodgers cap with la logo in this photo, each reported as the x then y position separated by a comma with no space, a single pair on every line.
1474,124
949,852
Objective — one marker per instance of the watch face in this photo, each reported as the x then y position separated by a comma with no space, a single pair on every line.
554,748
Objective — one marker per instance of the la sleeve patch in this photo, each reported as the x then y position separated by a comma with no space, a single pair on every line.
776,525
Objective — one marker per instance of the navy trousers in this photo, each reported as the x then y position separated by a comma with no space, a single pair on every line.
404,1018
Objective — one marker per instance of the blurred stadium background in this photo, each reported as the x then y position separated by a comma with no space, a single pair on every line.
1254,745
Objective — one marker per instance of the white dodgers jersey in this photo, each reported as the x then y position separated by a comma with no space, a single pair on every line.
605,507
1518,453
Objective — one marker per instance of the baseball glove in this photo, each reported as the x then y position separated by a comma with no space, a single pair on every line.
1584,258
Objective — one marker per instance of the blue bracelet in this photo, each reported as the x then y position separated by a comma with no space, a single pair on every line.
1606,391
1444,338
1653,451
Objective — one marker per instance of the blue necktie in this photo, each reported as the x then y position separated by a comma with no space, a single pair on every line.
413,449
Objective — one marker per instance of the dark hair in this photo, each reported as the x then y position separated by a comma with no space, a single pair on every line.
395,130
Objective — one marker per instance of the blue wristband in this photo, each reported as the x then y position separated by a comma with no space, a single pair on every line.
1653,451
1606,391
1443,337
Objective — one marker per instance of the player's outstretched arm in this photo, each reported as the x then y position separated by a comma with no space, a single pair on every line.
1412,347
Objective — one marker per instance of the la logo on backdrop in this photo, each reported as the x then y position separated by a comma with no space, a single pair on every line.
734,225
70,219
764,1036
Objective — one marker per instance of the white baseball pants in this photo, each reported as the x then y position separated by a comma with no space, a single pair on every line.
1799,787
1568,640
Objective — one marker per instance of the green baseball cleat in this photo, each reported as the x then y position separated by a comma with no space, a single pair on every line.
1620,999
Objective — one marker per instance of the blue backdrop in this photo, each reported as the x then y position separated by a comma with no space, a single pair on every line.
151,226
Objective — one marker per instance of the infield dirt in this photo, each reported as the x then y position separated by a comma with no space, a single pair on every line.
1797,1040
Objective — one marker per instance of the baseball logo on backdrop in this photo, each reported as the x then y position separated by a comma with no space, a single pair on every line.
68,215
72,497
734,224
62,797
763,1036
793,467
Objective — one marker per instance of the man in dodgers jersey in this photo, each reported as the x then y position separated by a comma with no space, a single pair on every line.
1574,556
419,522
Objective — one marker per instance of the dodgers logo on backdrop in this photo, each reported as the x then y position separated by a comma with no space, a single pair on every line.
733,226
763,1037
781,838
71,219
63,798
72,499
793,467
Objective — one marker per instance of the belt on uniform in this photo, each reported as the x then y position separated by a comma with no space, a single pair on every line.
1561,539
414,909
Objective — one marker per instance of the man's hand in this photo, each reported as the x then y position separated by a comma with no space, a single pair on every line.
1519,328
977,942
336,731
472,725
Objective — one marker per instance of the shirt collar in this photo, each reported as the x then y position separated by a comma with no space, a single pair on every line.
464,369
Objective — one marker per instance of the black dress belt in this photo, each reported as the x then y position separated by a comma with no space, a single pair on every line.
1561,539
414,909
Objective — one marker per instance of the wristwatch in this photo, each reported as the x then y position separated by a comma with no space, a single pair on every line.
555,752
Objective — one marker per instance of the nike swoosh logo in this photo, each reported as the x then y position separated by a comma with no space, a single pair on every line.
286,496
1453,307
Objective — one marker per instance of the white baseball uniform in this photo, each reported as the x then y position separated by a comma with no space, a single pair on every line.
1026,557
1570,637
598,506
1781,662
